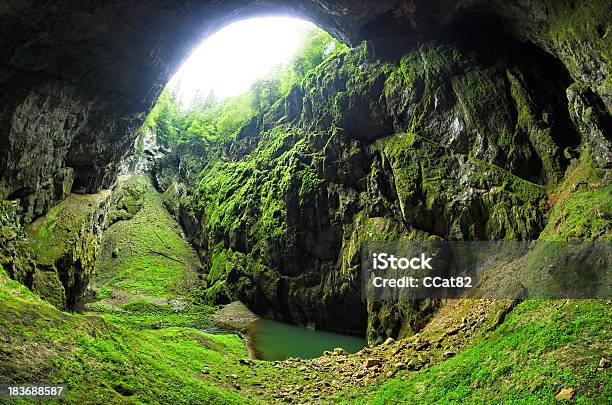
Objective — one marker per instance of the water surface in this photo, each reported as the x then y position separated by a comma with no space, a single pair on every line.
271,340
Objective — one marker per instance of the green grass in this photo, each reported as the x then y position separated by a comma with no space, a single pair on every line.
141,314
100,362
582,203
152,258
543,347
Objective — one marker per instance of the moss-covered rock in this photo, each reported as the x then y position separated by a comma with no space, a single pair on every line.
15,251
593,121
65,243
449,143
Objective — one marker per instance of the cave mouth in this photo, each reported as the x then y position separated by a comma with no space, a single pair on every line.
233,76
227,63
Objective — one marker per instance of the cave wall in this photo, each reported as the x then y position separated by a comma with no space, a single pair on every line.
78,78
451,142
516,85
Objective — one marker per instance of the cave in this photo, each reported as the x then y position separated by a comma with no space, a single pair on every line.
441,121
97,69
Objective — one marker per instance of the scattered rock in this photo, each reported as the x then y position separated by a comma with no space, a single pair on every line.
389,341
448,354
604,363
338,351
414,364
372,362
566,393
423,345
451,331
246,362
359,375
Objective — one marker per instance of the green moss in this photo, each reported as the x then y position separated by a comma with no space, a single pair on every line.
574,26
117,360
426,181
54,235
540,349
48,285
170,198
476,86
538,129
101,363
415,83
145,255
581,203
371,229
139,149
15,251
128,197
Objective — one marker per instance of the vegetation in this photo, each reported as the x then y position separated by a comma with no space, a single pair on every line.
145,255
99,362
208,119
543,347
280,191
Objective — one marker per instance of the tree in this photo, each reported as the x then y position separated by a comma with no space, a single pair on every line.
208,119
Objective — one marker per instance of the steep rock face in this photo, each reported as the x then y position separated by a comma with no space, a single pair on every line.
78,77
15,253
65,243
281,213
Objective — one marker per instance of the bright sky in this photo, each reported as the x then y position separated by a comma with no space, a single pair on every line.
230,60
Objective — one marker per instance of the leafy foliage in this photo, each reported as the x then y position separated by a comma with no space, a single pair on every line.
208,119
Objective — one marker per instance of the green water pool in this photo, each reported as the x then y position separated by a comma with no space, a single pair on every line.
271,340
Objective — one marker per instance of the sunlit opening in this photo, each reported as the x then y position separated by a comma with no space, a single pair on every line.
228,62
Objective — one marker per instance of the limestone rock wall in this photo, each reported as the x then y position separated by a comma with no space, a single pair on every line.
78,78
449,144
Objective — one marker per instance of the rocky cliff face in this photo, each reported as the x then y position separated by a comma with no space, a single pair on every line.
78,78
411,135
451,142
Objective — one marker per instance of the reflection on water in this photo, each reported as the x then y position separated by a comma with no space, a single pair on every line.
271,340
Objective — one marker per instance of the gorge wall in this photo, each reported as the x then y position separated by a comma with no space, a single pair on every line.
78,78
450,122
450,143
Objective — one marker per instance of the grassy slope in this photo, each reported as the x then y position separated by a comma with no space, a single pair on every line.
543,346
100,362
137,348
152,258
146,270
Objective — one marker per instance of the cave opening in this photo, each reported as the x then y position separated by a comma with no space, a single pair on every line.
236,74
229,61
